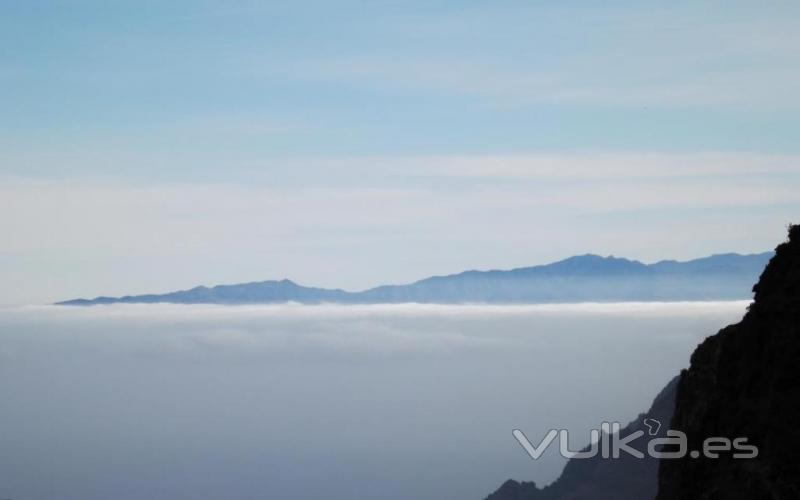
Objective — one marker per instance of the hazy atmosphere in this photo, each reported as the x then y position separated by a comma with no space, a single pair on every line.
319,402
153,146
310,250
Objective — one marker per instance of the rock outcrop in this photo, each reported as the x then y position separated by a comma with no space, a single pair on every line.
745,382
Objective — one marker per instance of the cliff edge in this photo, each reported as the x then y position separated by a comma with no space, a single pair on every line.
745,382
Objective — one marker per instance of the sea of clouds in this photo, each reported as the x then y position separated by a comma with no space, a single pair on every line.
319,402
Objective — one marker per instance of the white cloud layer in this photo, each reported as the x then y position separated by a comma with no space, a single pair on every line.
240,402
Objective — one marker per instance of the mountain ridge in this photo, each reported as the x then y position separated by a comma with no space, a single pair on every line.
587,277
597,478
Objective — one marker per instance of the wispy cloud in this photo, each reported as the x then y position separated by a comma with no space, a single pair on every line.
631,56
579,83
614,166
409,217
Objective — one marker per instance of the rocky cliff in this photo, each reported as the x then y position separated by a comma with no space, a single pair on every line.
745,382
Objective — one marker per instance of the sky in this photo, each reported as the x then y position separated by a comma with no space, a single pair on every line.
150,146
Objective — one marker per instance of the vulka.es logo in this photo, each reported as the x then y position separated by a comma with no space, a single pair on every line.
609,444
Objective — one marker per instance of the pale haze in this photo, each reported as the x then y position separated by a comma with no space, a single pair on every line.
391,402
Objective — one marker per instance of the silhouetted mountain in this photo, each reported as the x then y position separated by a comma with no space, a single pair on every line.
626,478
745,382
576,279
246,293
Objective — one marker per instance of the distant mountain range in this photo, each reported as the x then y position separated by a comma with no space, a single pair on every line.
584,278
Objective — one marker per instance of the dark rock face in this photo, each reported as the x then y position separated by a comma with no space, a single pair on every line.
626,478
513,490
745,382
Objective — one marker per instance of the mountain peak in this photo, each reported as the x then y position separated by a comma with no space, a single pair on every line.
596,264
779,284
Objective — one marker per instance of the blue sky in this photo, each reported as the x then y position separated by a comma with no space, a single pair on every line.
146,146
